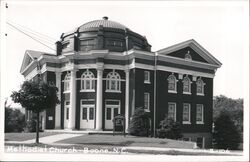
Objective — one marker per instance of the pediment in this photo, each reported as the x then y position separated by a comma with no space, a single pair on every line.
190,50
29,58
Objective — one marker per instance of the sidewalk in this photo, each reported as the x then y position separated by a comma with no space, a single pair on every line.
48,139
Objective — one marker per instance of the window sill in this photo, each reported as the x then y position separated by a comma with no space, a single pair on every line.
87,90
112,91
187,93
147,82
199,122
146,110
186,122
172,91
66,92
200,94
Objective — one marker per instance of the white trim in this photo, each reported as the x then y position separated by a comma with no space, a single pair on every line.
127,99
99,98
112,91
189,113
58,106
88,90
183,71
200,94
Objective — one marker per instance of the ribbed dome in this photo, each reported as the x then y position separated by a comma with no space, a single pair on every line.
105,23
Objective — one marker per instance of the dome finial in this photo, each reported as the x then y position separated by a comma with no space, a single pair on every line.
105,18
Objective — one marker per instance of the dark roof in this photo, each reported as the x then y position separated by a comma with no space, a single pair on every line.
105,23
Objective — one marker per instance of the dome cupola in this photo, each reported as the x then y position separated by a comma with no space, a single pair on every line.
100,35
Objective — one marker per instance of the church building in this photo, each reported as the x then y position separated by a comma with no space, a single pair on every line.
103,69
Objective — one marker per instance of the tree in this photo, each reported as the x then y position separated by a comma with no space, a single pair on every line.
14,120
139,125
226,134
234,106
169,129
36,96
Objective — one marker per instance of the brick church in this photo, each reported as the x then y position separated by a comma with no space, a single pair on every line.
103,69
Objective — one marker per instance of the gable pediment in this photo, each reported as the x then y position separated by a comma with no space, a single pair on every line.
195,51
29,58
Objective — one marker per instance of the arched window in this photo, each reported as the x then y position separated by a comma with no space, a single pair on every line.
200,86
186,85
67,83
87,81
113,82
172,84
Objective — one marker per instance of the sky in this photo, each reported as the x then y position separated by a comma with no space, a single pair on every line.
221,27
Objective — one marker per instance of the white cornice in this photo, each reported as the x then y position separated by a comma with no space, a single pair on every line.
191,63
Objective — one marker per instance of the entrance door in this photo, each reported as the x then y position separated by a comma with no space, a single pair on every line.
66,114
87,117
110,112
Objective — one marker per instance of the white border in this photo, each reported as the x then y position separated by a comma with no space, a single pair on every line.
58,157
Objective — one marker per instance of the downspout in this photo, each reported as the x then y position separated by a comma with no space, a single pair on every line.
155,59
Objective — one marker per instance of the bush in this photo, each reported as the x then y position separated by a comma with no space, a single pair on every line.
226,135
14,120
169,129
139,125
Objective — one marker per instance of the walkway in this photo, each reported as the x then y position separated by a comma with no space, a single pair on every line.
48,139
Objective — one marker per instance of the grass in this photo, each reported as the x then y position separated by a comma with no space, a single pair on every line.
25,136
119,140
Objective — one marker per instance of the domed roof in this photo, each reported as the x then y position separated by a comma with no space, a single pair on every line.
104,22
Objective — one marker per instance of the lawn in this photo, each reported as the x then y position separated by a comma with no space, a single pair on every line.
25,136
120,140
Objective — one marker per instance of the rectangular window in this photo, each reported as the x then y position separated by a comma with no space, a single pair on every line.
200,142
172,110
67,105
108,114
186,139
84,113
115,112
146,77
186,114
146,100
91,113
67,113
199,114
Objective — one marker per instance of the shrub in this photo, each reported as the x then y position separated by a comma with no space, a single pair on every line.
139,125
226,135
169,129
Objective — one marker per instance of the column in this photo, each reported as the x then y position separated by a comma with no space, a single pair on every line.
72,112
58,107
99,99
127,99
